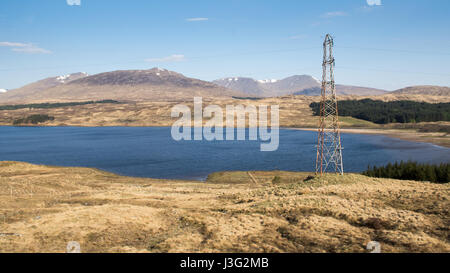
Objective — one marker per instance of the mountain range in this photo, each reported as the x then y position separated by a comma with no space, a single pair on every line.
134,85
158,84
269,88
297,85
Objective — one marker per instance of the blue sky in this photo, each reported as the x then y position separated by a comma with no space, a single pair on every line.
378,43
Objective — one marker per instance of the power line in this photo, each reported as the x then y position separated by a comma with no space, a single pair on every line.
249,53
391,71
141,61
395,50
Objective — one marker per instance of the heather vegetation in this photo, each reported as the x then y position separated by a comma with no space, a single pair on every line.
33,119
230,212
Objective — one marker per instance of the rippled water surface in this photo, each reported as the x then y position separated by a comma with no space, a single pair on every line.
151,152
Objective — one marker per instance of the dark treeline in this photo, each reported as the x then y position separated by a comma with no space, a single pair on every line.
412,171
52,105
381,112
33,119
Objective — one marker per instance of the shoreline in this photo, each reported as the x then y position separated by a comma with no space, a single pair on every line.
408,135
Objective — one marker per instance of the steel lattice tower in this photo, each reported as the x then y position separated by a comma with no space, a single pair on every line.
329,150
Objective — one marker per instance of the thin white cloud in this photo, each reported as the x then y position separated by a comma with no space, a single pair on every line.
171,58
332,14
73,2
12,44
26,48
374,2
32,50
197,19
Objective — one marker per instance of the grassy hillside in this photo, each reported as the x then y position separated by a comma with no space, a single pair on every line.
424,90
42,208
51,105
294,111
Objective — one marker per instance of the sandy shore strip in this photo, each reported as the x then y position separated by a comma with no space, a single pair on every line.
440,139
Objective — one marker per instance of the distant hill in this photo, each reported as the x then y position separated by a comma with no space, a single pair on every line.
247,86
298,85
133,85
269,88
424,90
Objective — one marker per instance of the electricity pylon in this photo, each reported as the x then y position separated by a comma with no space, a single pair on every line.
329,150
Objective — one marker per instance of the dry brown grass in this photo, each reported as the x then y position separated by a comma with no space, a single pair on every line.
294,113
42,208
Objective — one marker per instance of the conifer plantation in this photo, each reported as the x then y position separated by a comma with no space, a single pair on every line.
412,171
381,112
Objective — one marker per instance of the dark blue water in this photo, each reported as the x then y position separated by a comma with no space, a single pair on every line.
151,152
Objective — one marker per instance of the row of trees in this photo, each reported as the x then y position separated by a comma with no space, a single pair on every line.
381,112
412,171
51,105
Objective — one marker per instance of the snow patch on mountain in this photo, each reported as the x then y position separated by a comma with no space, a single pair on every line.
62,78
65,78
268,81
